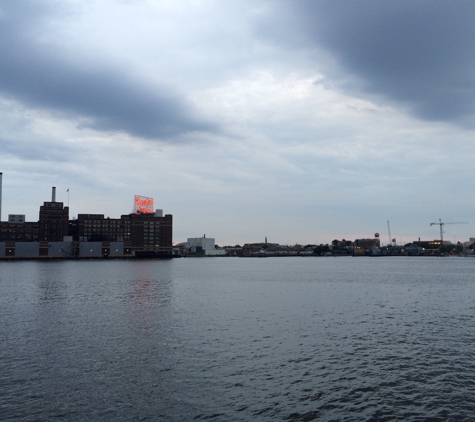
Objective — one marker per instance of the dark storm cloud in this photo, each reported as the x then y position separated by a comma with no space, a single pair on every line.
421,53
36,74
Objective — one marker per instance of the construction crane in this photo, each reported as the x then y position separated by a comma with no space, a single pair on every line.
442,230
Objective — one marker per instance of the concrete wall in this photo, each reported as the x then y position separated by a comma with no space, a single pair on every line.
215,252
27,248
60,249
90,249
117,248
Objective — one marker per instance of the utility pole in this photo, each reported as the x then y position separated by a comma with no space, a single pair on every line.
389,233
442,230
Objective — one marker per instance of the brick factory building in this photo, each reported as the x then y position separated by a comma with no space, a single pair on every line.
53,222
150,232
147,234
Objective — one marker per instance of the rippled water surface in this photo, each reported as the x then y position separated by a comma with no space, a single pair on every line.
232,339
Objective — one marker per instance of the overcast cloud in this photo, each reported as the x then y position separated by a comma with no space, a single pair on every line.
36,71
300,121
417,52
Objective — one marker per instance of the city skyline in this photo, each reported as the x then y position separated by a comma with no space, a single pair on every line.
144,205
300,121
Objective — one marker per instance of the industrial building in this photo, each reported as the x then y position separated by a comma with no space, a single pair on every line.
148,231
203,246
53,221
137,234
19,232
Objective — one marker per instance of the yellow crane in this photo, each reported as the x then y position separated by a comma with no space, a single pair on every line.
442,230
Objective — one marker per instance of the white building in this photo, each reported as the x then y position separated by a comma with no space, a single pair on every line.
204,245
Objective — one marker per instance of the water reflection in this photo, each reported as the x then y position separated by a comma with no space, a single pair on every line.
51,281
152,328
150,283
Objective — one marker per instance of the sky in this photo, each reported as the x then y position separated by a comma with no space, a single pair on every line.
302,122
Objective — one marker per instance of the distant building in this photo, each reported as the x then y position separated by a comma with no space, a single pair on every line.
16,218
413,249
53,221
343,243
19,232
151,234
234,251
428,244
367,244
203,246
469,244
143,231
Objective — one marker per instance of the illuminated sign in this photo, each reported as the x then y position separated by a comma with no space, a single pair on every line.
143,205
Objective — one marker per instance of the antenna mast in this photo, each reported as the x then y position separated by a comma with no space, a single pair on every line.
389,233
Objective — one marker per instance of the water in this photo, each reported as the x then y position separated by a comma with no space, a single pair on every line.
294,339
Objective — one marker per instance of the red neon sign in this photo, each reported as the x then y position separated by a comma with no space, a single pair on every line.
143,205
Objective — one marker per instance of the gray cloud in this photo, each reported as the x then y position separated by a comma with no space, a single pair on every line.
40,151
419,53
36,74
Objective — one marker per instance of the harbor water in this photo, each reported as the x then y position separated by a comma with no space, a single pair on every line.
230,339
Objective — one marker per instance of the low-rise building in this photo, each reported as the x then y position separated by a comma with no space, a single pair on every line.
19,232
367,244
204,246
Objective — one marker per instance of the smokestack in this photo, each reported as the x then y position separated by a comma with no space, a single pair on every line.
53,195
1,175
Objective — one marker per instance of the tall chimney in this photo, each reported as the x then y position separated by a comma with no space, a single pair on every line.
1,175
53,195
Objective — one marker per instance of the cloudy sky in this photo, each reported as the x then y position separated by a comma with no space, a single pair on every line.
302,121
